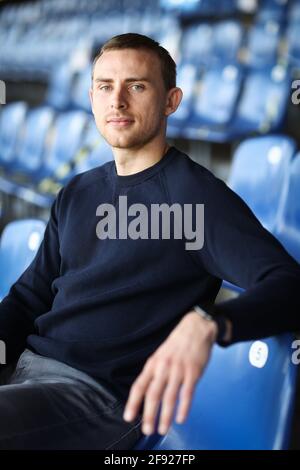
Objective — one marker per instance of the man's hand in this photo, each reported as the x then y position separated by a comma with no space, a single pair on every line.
176,364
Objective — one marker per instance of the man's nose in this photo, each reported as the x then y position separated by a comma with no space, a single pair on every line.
119,100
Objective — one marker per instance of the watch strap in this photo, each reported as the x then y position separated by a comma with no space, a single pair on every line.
220,321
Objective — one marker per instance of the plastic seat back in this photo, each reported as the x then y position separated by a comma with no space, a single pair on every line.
263,44
19,243
11,121
217,100
95,150
68,133
227,39
287,228
264,110
80,93
259,171
38,123
60,86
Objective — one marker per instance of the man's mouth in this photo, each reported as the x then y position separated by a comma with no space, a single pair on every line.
120,122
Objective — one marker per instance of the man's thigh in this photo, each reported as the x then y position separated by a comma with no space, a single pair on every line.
62,416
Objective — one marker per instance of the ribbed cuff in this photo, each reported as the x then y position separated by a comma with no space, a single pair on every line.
222,325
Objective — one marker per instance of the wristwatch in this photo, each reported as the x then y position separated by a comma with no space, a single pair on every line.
218,319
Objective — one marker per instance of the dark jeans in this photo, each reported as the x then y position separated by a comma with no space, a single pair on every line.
45,404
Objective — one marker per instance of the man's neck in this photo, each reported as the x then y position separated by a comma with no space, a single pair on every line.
129,162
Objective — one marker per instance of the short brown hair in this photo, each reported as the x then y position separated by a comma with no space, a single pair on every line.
139,41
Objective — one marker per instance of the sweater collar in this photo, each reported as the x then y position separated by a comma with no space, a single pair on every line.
140,176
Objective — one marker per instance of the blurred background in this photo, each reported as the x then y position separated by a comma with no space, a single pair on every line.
239,68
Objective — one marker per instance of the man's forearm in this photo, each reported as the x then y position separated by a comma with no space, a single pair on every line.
271,307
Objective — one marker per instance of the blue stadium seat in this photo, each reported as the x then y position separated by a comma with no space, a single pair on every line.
292,36
28,159
293,46
216,101
37,126
80,91
227,40
262,111
263,44
259,172
208,45
229,106
287,228
60,87
19,243
272,10
92,152
197,43
244,400
294,12
98,156
11,121
68,133
97,150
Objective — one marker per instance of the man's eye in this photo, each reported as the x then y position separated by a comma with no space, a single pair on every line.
138,87
104,87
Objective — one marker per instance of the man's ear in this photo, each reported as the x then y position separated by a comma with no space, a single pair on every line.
174,98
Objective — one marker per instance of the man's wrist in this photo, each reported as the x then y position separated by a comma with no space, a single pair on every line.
223,325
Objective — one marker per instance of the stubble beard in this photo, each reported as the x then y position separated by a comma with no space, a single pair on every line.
135,141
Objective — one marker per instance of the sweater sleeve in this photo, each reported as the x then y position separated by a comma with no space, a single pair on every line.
31,295
237,248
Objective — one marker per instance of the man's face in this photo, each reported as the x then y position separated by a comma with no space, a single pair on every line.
129,98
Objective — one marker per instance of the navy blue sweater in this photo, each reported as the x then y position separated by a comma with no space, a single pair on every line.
104,306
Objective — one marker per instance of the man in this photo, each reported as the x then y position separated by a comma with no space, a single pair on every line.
106,311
